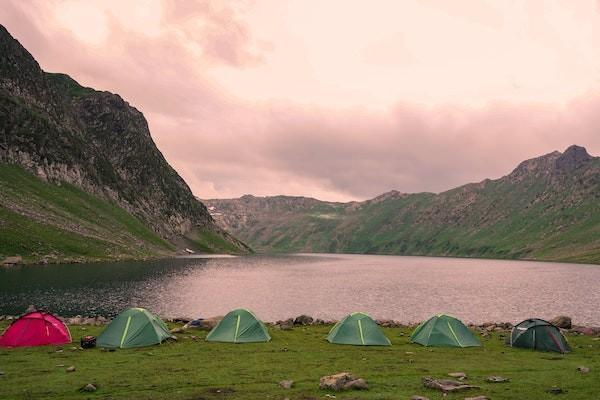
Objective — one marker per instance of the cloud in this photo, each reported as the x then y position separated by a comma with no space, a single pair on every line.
226,146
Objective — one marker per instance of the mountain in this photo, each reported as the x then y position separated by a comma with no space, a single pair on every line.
100,146
548,208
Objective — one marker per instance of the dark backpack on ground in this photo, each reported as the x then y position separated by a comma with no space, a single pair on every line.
87,342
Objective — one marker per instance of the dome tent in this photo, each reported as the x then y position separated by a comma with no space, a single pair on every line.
134,327
444,331
36,328
358,329
538,334
239,326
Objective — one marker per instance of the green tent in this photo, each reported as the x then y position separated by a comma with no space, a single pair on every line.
444,331
358,329
239,326
134,327
538,334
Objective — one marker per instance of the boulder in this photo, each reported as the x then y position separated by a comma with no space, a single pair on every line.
285,325
342,381
209,323
583,370
286,384
12,260
303,320
356,384
562,321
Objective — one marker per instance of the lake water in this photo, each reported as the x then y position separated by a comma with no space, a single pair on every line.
407,289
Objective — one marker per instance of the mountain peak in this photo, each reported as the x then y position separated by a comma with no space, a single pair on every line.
573,157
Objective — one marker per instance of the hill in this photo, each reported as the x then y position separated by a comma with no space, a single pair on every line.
101,147
548,208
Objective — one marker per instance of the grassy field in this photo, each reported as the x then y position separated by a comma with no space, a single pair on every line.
194,369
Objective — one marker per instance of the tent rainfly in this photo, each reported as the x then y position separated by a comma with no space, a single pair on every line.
444,331
134,327
358,329
537,334
36,328
239,326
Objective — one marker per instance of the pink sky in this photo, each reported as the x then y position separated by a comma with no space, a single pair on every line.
338,100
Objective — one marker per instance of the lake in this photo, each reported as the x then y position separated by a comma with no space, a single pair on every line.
327,286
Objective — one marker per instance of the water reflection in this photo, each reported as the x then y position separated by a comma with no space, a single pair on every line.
326,286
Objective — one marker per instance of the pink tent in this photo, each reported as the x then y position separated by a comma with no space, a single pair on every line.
35,329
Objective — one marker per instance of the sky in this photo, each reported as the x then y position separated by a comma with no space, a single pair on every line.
339,99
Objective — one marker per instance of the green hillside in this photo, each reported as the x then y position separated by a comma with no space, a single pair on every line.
548,208
40,221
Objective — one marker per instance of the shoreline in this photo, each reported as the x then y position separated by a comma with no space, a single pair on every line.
45,260
484,329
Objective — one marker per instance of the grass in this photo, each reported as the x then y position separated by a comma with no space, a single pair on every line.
195,369
38,219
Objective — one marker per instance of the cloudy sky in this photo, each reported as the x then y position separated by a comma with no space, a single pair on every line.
335,99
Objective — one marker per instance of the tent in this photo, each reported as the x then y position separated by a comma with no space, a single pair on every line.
134,327
36,328
358,329
538,334
444,331
239,326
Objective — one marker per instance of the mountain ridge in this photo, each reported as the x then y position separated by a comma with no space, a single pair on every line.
61,131
542,209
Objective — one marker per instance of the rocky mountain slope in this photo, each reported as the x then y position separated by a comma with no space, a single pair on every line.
62,132
548,208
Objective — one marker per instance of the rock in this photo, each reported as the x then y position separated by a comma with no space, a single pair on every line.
555,390
303,320
562,321
30,308
356,384
583,370
461,376
12,260
285,325
286,384
101,320
209,323
89,388
477,398
182,320
446,385
71,369
417,397
1,372
337,381
496,379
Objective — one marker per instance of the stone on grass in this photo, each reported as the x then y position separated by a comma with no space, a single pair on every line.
89,388
446,385
342,381
286,384
71,369
555,390
356,384
477,398
417,397
583,370
461,376
496,379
